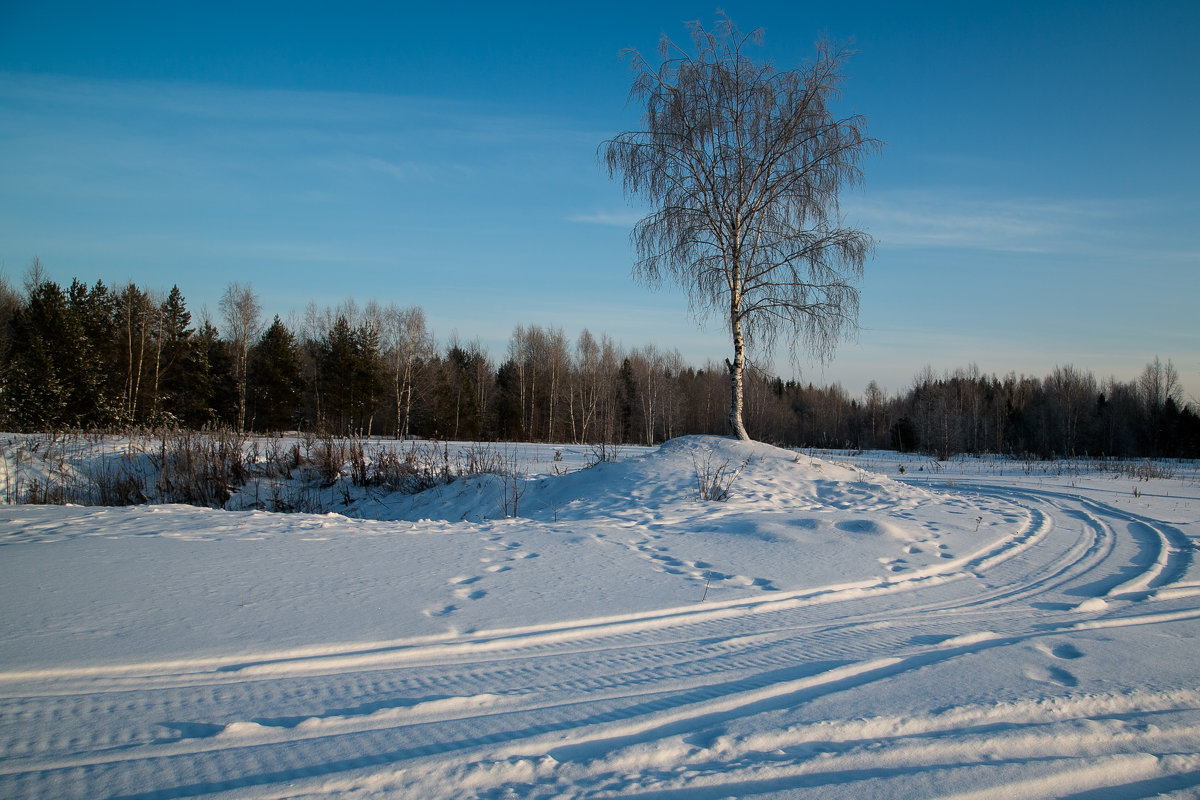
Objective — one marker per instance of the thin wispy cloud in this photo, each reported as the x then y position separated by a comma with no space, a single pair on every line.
957,221
408,171
927,219
620,219
311,117
189,151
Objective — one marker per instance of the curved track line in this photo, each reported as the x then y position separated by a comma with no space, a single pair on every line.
594,701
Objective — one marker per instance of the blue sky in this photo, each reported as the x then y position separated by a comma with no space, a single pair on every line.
1036,203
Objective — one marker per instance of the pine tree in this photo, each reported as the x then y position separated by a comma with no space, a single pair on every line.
99,385
275,379
221,401
335,362
47,350
457,412
180,375
507,403
370,381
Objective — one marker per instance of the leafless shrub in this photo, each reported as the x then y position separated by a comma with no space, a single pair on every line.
420,467
202,469
40,472
280,461
714,480
357,455
1153,469
484,459
391,471
118,482
513,485
602,453
425,468
328,456
44,492
224,469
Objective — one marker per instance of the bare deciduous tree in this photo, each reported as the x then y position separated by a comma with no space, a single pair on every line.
742,165
240,311
411,345
1072,395
1158,383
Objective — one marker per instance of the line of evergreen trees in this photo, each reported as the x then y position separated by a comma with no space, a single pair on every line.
94,357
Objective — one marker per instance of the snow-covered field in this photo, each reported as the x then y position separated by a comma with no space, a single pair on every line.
837,628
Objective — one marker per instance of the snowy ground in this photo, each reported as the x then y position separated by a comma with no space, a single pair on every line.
838,628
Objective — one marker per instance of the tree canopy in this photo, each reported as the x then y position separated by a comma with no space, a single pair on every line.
742,165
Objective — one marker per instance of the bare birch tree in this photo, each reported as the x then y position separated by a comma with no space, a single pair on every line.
136,309
411,345
1158,383
240,312
742,165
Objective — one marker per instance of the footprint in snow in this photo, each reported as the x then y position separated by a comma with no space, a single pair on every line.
1056,675
757,583
1066,651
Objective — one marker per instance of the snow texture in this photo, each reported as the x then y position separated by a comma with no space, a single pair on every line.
838,628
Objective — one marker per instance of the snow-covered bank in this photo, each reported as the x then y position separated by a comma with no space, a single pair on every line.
827,632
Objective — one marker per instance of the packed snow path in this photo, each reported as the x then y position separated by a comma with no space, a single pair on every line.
973,637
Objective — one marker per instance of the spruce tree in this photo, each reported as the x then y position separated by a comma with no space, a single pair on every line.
47,350
336,358
275,378
221,399
97,392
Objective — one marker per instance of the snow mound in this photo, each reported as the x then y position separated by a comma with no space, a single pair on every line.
676,479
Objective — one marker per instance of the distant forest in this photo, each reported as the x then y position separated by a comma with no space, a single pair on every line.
96,358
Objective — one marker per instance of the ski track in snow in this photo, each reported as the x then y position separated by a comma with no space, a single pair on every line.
953,671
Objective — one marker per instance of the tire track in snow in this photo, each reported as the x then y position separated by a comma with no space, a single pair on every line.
591,692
